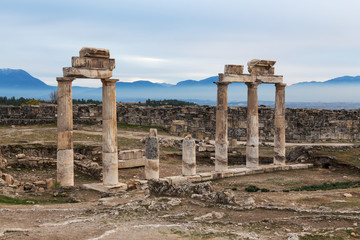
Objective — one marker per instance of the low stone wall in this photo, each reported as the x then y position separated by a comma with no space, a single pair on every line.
303,125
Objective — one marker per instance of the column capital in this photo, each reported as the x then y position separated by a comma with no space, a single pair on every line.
109,80
252,84
280,84
222,83
65,79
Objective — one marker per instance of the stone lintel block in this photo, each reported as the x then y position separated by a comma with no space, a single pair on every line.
93,63
246,78
86,73
94,52
206,176
195,178
65,140
234,69
131,163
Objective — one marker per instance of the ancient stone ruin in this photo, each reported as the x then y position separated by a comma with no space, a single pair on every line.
94,63
261,71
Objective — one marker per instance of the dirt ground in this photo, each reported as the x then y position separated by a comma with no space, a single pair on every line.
78,213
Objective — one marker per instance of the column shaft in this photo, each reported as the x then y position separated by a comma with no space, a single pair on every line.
109,144
221,137
65,151
152,163
188,157
252,145
279,125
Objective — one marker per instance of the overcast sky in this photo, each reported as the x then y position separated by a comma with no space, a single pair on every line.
171,40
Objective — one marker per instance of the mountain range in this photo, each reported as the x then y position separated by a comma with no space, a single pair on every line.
346,89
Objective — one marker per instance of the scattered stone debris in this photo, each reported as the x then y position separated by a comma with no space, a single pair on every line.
201,191
164,188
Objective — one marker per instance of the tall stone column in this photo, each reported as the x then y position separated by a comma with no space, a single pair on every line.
152,164
279,125
221,137
109,124
65,151
252,145
188,156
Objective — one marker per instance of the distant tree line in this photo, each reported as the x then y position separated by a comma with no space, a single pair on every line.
86,101
172,102
18,101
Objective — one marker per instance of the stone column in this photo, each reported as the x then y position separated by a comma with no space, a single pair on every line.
65,151
188,157
152,155
279,125
252,145
110,160
221,137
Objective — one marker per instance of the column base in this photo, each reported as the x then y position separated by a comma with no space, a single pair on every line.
252,157
221,157
110,168
65,167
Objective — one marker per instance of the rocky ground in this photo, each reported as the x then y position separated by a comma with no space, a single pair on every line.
220,209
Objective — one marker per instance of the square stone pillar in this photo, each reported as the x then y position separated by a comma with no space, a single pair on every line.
252,145
279,125
188,156
109,124
221,135
152,163
65,151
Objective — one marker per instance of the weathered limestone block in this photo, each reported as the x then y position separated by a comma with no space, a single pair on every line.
65,167
93,63
261,67
234,69
152,168
94,52
188,157
86,73
110,168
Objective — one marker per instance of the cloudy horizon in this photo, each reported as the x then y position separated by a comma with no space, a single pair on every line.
171,41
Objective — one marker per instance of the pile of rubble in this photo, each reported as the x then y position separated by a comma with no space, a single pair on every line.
6,180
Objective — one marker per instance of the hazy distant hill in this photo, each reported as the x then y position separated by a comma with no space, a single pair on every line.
17,78
19,83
